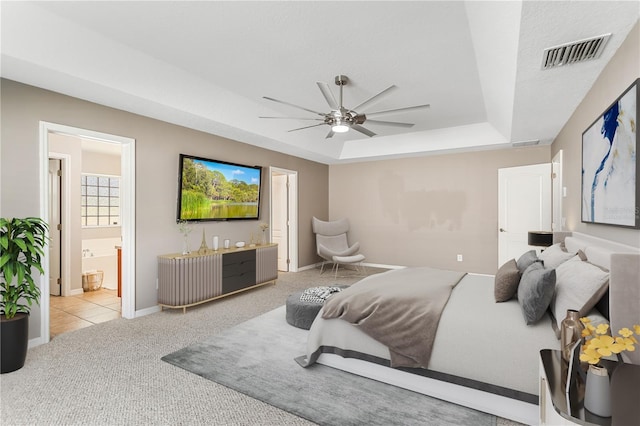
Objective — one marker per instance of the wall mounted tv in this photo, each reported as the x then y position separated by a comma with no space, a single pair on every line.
217,190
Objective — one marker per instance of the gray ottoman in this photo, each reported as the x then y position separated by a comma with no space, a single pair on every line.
301,314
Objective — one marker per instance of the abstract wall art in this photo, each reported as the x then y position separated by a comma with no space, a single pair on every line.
610,194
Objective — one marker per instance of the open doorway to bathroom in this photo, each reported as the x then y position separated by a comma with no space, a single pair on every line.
92,293
89,267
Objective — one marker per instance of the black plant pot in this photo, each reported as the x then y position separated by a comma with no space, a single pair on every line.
14,335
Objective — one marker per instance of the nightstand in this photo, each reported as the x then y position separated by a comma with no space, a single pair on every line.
559,408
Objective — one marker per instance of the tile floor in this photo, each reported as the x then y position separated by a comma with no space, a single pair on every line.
75,312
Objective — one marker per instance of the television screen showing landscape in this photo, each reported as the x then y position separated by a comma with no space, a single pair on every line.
217,190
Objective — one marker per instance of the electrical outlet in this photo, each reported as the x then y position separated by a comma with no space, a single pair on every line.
459,258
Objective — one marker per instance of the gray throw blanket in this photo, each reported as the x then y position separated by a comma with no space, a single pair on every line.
400,310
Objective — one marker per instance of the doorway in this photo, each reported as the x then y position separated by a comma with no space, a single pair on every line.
284,218
524,204
127,211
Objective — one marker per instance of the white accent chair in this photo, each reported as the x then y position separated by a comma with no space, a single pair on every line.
332,244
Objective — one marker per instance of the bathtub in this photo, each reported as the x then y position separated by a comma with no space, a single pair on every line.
101,254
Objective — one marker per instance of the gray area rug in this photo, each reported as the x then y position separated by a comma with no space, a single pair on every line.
256,358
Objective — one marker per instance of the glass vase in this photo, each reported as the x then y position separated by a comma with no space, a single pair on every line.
185,245
570,332
597,393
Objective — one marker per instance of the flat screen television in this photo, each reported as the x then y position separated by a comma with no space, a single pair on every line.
217,190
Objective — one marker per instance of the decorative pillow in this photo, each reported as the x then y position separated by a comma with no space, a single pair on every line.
526,260
579,285
553,256
535,291
507,280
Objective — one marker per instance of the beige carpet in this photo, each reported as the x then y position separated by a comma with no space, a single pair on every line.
112,373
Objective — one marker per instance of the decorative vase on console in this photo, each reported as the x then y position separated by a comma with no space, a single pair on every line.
570,332
597,393
264,226
598,344
185,230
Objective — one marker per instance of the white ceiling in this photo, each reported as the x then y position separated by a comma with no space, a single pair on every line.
207,65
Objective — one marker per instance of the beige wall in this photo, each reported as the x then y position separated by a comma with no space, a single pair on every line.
158,145
617,76
426,210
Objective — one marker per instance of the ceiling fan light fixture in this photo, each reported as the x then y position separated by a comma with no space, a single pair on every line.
340,128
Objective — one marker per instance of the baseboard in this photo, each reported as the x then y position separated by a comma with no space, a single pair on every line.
372,265
312,266
380,265
76,292
147,311
36,341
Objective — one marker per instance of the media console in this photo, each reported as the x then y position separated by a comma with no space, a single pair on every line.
195,278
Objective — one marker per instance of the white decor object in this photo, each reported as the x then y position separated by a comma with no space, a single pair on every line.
215,242
240,244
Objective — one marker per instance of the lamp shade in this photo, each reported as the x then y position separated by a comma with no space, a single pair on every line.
540,238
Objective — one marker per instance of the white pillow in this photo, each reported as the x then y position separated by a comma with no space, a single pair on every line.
553,256
579,286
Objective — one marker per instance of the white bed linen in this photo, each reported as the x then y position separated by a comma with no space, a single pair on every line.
477,338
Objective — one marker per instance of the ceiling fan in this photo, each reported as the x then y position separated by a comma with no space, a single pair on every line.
342,119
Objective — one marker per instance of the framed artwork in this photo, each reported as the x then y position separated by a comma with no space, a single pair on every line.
610,193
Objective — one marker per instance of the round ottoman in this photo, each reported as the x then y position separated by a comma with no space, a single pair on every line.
300,313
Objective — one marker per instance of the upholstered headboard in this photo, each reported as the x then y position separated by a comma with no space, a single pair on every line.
623,262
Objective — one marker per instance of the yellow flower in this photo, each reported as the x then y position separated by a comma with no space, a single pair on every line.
590,355
626,343
602,344
585,320
599,343
625,332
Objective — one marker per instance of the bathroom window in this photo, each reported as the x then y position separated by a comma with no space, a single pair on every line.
100,200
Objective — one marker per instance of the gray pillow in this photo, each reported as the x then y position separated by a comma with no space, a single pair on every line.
506,282
526,260
554,256
535,291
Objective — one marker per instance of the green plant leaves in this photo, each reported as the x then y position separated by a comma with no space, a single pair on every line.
21,247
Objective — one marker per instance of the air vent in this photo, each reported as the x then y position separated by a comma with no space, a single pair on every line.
576,51
525,143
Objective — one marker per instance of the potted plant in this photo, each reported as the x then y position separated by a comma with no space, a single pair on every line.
21,249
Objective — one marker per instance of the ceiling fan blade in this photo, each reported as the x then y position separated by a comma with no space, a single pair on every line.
306,127
375,97
390,123
294,105
330,134
328,95
393,111
362,130
295,118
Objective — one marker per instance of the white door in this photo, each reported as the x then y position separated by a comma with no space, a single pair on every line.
284,216
55,209
279,219
524,204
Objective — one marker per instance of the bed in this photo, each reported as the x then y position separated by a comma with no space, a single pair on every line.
483,354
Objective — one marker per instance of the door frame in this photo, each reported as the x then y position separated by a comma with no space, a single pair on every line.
127,215
557,193
292,208
65,220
